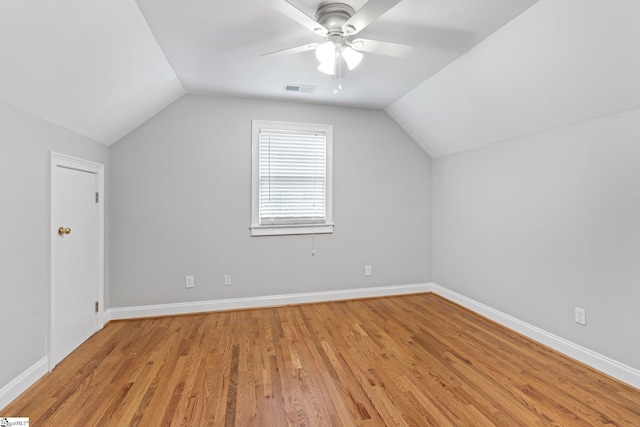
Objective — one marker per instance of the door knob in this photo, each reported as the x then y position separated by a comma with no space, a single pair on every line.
62,231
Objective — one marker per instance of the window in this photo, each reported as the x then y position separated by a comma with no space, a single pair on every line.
291,178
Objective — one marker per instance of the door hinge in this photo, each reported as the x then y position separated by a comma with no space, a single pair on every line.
96,306
97,197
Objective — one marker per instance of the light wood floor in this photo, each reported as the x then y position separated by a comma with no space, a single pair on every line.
412,360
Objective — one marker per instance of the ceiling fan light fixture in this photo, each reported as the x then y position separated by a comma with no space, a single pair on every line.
337,22
326,52
352,57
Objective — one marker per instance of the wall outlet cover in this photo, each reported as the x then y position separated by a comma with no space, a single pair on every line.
580,316
367,270
189,282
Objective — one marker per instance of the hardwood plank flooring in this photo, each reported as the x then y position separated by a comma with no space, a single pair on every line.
414,360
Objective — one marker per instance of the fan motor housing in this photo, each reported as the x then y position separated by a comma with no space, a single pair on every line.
333,16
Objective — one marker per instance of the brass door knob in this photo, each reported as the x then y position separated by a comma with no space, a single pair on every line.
62,231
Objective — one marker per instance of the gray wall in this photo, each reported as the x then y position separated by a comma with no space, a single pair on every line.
540,224
532,226
180,205
25,142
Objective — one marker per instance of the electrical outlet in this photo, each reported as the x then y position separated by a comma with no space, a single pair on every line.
367,270
580,316
227,280
189,282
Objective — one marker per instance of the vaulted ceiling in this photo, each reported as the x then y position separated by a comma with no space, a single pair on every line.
560,62
480,72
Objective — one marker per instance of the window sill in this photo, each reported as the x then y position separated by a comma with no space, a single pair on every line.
284,230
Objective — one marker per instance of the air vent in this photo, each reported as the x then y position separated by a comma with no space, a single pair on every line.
300,88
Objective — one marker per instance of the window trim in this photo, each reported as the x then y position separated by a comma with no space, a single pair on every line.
258,229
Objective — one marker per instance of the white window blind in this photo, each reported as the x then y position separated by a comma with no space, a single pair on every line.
291,184
292,177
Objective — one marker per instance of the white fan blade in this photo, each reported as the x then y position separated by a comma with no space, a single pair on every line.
368,13
297,15
382,48
293,50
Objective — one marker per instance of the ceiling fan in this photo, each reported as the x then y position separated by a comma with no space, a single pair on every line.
337,23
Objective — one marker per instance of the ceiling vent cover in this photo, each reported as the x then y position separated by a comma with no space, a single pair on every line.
300,88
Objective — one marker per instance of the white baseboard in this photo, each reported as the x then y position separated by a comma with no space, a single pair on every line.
15,388
597,361
263,301
604,364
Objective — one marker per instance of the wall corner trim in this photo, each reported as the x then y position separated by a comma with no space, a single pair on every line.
604,364
22,382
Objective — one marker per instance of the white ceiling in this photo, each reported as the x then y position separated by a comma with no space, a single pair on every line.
561,62
93,67
215,47
481,71
101,68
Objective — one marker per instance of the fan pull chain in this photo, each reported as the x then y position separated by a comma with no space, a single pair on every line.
338,72
313,244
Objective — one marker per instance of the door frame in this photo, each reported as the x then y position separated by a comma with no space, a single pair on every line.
62,160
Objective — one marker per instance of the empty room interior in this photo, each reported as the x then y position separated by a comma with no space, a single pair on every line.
295,212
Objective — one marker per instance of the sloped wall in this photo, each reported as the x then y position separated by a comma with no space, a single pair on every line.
558,63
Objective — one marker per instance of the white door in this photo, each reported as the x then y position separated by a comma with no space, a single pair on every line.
75,233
